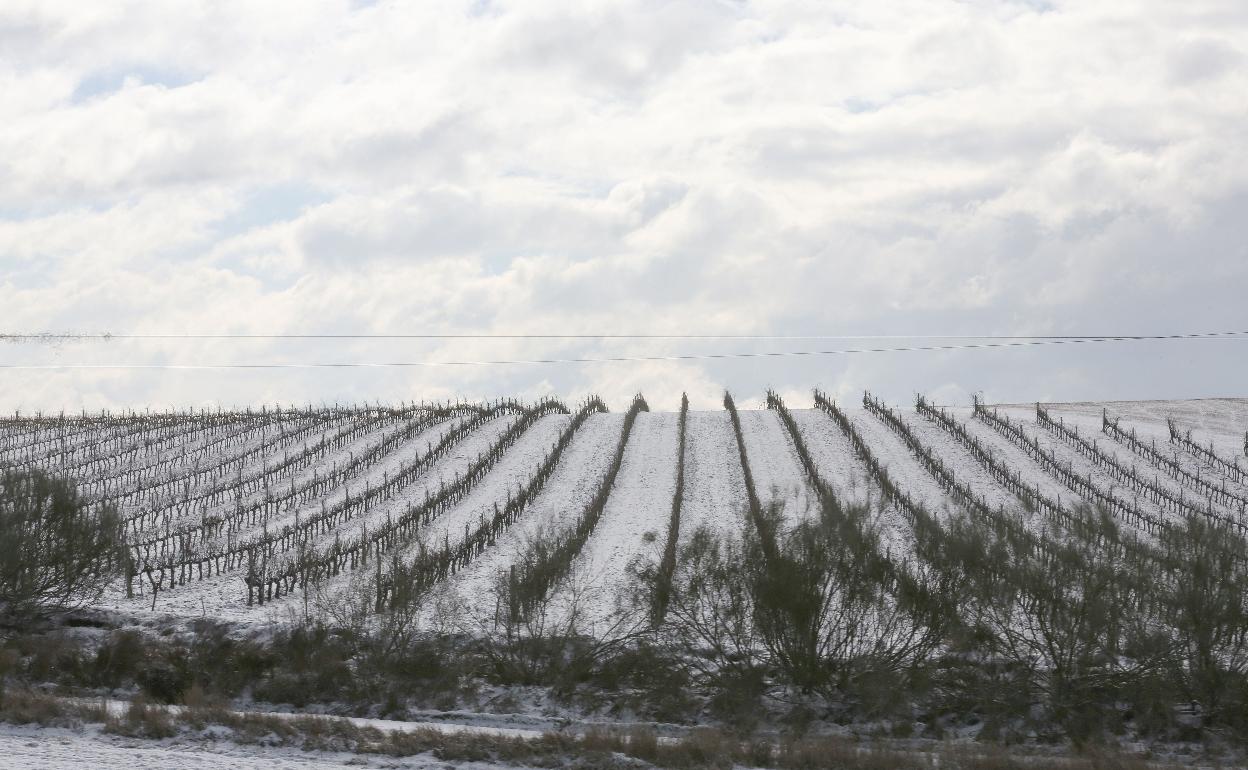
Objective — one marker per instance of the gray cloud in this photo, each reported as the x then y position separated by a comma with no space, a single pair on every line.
1202,59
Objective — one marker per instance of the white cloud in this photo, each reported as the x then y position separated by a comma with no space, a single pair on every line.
767,167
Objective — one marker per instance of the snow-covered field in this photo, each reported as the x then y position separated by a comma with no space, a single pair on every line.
773,462
257,451
714,485
42,748
633,527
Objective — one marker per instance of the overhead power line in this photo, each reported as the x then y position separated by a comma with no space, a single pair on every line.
107,336
1025,343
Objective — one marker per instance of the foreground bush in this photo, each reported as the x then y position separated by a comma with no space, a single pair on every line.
57,551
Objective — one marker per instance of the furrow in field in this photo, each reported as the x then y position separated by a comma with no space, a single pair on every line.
778,476
834,457
1013,457
963,464
515,468
632,527
461,456
902,466
714,485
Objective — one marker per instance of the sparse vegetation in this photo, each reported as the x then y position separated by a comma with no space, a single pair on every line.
699,749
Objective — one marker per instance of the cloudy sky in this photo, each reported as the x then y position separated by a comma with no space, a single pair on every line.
738,168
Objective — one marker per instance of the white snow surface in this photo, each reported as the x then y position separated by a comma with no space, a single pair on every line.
633,527
511,472
714,485
902,466
834,456
1012,456
1222,421
1217,423
472,591
43,748
777,471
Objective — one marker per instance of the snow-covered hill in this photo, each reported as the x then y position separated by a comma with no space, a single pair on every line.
222,507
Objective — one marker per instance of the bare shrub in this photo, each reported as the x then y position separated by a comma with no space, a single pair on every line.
57,551
1079,622
8,661
815,606
1207,611
27,707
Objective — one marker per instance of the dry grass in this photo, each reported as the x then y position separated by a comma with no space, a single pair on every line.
142,720
24,707
599,748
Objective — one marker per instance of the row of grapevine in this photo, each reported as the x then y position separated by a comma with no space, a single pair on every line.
1230,467
54,428
192,474
158,437
667,565
113,474
896,578
433,565
107,483
1172,467
1087,530
930,537
267,475
1008,527
96,446
107,477
923,522
1083,486
766,535
307,565
1150,489
946,550
1012,479
103,450
530,582
297,493
37,432
126,417
183,558
823,490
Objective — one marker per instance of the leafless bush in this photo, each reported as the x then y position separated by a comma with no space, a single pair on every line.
57,551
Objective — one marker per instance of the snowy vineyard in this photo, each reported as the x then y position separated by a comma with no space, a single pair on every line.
243,514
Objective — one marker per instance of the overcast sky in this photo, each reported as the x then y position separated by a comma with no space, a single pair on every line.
793,168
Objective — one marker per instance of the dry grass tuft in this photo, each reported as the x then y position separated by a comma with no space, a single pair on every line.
142,720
